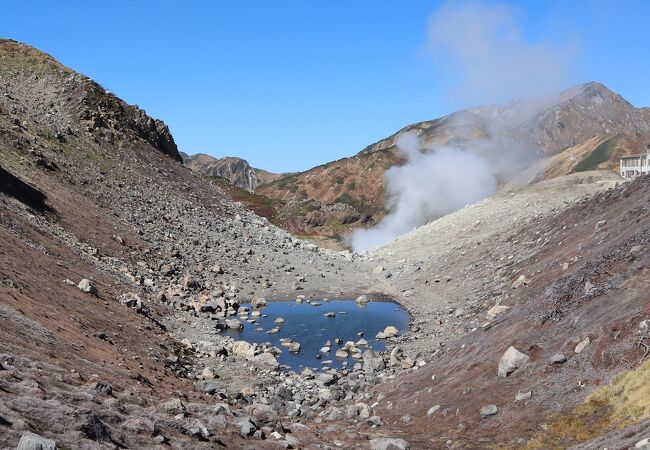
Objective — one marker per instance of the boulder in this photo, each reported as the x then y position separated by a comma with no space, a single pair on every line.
373,361
265,360
399,359
234,324
263,414
489,410
389,444
558,358
362,299
32,441
511,360
294,347
495,311
208,374
258,302
391,331
243,348
88,287
174,406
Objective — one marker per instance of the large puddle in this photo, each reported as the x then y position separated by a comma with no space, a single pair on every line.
309,324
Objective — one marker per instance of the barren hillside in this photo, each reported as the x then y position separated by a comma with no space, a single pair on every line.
121,269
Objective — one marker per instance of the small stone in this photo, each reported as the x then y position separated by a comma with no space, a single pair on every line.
294,347
489,410
279,320
362,299
389,444
558,358
433,410
495,311
522,280
330,314
523,396
208,374
582,345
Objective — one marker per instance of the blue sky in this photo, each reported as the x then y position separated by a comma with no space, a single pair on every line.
292,84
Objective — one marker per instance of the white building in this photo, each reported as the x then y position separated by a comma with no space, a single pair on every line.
634,165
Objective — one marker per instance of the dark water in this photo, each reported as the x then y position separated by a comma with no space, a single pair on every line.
306,323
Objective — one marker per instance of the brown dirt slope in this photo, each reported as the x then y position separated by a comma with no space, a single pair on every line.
585,277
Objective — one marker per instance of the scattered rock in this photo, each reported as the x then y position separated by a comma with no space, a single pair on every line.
88,287
234,324
362,299
558,358
523,396
489,410
208,374
399,358
582,345
391,331
389,444
32,441
433,410
243,348
495,311
511,360
266,360
522,280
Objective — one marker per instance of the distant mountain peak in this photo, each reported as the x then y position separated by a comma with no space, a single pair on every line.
236,170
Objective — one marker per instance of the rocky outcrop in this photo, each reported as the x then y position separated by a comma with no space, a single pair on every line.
235,170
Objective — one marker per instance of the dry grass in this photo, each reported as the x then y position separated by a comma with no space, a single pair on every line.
624,402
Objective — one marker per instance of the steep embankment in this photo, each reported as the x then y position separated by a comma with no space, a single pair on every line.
564,287
96,191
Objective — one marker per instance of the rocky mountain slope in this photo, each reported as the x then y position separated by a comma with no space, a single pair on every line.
102,196
563,133
235,170
120,267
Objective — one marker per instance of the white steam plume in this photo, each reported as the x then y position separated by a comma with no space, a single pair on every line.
489,61
429,185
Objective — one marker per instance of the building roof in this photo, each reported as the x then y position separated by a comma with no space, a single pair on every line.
635,156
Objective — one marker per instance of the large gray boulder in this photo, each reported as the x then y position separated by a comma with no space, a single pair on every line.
511,360
32,441
265,360
389,444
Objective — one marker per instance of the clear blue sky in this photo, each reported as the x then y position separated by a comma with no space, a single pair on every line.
292,84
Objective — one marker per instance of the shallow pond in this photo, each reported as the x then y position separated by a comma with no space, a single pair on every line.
307,324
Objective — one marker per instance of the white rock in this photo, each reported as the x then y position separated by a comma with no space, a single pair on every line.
582,344
511,360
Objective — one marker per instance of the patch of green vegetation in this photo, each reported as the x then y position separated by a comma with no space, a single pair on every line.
346,198
352,186
301,208
599,155
339,180
293,188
